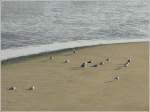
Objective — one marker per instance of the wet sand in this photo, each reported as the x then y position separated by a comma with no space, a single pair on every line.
67,86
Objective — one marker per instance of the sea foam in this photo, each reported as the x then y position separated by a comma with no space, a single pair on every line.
37,49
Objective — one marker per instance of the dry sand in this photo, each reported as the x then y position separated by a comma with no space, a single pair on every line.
66,86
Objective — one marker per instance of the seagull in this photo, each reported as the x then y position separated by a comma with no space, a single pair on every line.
108,59
116,77
101,63
67,61
84,64
12,88
127,63
129,60
51,57
31,88
90,61
96,65
74,51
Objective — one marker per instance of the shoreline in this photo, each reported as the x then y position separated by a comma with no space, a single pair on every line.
21,58
13,53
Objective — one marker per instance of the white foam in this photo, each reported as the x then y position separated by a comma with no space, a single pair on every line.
30,50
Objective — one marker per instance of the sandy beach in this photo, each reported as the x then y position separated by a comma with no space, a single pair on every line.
67,86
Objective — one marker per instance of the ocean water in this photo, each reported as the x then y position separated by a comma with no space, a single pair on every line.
26,24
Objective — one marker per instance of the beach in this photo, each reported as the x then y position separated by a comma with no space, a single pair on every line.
67,86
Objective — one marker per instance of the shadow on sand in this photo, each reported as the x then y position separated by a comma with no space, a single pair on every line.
120,67
75,68
108,81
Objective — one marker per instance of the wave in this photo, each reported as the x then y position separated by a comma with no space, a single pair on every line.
38,49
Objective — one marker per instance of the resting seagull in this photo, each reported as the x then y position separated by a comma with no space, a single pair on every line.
31,88
84,64
12,88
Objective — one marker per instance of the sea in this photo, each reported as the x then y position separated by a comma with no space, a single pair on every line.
33,27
